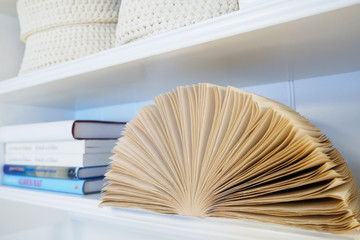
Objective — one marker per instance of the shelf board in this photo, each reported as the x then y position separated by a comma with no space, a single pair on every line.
86,208
278,41
68,202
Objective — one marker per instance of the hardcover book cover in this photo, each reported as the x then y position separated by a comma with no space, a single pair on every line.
58,185
56,172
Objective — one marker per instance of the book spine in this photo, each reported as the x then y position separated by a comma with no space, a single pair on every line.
62,131
66,147
58,160
57,185
46,147
42,171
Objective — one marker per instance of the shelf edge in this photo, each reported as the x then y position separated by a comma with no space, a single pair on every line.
233,24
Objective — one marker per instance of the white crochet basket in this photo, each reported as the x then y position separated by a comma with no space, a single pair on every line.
57,31
142,18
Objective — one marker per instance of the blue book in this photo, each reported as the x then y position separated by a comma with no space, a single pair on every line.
52,184
56,172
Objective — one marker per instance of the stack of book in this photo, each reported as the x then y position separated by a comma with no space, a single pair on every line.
65,156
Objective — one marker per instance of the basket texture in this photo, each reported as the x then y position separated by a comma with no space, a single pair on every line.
62,44
57,31
142,18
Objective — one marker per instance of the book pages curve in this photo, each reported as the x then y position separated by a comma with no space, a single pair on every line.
212,151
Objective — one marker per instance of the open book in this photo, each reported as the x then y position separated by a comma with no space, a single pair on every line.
212,151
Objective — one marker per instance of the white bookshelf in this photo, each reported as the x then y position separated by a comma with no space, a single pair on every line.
86,208
296,52
68,202
284,38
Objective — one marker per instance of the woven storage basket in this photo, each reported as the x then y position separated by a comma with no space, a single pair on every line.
142,18
57,31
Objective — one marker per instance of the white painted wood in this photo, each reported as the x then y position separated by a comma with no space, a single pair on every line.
160,226
46,232
250,47
180,227
68,202
18,217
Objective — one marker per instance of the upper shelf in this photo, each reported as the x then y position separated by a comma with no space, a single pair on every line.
165,226
279,41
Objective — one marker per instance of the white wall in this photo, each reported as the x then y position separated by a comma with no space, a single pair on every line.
12,114
11,55
332,103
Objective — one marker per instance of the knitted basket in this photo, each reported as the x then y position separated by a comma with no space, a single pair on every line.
56,31
62,44
142,18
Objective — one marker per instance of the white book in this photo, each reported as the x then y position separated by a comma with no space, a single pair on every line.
62,131
60,160
75,146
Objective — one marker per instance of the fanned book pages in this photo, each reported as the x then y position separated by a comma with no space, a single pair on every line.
211,151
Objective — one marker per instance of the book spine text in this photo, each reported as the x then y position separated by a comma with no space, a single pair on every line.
46,147
58,185
63,160
42,171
